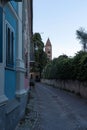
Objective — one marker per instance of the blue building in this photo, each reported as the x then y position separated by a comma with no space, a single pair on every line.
13,95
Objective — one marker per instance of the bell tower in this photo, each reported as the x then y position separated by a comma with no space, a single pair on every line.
48,49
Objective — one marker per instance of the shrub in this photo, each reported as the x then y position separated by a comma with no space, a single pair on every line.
64,67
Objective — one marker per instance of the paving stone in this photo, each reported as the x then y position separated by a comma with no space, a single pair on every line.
54,109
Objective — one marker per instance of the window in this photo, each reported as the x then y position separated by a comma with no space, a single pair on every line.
9,47
48,52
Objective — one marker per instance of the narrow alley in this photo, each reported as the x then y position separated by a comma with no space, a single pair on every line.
57,109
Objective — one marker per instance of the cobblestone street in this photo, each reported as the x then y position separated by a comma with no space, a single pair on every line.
53,109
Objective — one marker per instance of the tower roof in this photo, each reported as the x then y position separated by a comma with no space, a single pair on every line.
48,43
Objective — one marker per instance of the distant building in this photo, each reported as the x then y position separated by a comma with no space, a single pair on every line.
48,49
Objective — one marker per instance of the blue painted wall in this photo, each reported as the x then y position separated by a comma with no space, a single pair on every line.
13,22
15,5
10,83
1,34
10,75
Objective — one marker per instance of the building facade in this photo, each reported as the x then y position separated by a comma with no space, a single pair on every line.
14,45
48,49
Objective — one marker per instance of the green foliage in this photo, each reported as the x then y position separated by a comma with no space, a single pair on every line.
82,69
40,56
77,64
65,67
37,40
47,71
82,36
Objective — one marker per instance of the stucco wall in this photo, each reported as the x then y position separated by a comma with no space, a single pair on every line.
69,85
1,35
15,5
12,112
10,75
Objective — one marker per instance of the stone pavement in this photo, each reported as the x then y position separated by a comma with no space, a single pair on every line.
54,109
31,114
60,110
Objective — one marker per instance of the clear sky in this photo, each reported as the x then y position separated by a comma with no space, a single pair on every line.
59,20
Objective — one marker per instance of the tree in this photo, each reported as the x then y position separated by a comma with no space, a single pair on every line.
40,56
82,36
67,68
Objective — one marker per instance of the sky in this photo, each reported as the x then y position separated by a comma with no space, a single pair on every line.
59,20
